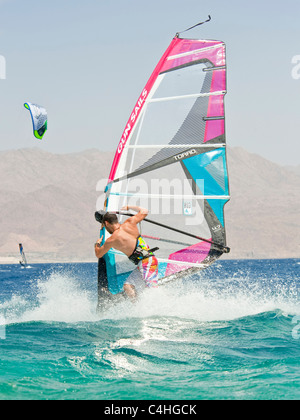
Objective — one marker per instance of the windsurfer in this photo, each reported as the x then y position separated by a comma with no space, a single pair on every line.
126,238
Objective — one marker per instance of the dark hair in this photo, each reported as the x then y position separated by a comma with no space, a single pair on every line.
110,218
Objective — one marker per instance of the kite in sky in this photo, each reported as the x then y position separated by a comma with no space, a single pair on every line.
39,119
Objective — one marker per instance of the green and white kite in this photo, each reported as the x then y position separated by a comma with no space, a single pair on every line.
39,119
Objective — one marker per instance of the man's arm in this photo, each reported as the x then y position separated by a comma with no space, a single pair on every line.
102,250
137,218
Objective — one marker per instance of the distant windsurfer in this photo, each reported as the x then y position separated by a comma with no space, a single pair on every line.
126,238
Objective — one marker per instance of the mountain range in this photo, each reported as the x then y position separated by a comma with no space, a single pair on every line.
47,202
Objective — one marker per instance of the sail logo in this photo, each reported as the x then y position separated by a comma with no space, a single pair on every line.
188,208
2,68
132,120
296,68
184,155
138,106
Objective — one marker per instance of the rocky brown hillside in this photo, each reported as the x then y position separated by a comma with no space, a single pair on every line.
47,201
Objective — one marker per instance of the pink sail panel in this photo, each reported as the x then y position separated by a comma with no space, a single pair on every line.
195,254
213,51
215,128
186,51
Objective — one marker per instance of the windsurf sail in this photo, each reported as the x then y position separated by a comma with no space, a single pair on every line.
39,119
171,159
23,260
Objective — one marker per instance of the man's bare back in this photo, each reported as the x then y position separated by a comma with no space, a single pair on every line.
123,236
126,238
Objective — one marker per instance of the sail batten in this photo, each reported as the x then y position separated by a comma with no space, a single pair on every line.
172,160
198,95
174,146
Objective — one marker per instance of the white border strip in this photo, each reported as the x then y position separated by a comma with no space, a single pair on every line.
186,54
184,263
178,196
164,260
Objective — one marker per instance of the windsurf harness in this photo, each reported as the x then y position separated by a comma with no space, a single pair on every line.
142,251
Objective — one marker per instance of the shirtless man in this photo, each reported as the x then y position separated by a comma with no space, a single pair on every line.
126,238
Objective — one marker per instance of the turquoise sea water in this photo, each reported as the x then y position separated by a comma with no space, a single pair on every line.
231,333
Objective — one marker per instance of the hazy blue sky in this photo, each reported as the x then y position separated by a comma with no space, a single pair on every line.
88,61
